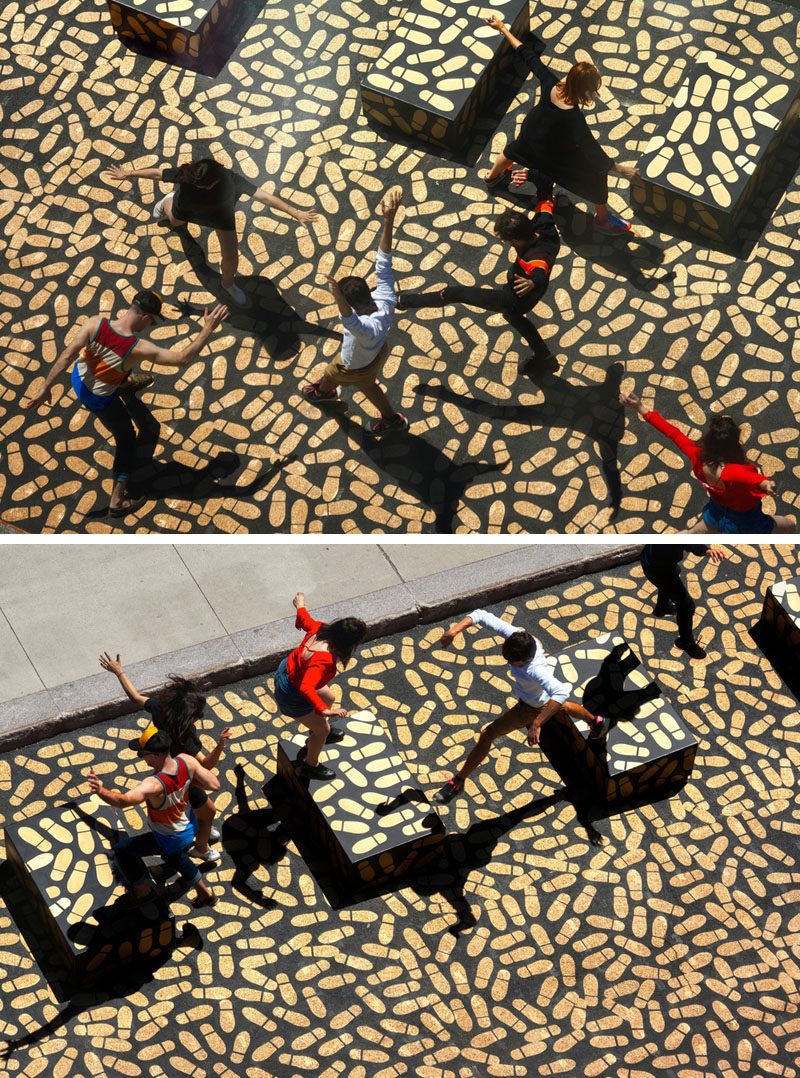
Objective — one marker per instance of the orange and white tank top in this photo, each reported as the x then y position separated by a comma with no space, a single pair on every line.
171,817
101,363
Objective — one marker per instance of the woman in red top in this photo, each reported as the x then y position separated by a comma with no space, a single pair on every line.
735,486
301,681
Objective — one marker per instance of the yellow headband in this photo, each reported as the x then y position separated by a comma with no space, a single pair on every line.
145,735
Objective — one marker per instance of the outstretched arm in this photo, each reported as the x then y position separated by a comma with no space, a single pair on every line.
114,666
267,199
173,357
63,360
449,635
151,787
390,203
119,172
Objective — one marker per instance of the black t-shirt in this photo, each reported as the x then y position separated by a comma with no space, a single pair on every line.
191,743
666,557
213,207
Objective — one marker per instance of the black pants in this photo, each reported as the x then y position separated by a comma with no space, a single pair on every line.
115,418
671,586
503,300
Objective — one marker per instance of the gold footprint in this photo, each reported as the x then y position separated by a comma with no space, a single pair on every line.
724,166
717,188
684,183
702,128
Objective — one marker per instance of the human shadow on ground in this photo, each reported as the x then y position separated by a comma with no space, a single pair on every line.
118,984
254,837
159,479
593,411
418,467
605,694
266,315
625,255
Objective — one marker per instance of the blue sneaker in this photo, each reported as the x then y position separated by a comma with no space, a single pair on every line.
612,223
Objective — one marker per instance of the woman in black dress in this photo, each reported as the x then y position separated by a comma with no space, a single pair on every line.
206,193
555,139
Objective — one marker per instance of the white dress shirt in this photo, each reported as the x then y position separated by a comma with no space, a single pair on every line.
365,334
533,683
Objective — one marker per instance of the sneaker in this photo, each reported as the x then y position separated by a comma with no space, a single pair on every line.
236,294
210,857
159,212
312,393
452,788
600,728
335,736
691,647
134,382
383,426
318,772
214,835
612,223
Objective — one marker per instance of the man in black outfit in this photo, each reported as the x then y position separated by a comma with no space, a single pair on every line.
661,564
535,242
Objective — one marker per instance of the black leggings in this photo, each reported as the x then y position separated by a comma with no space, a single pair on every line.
115,418
503,300
671,586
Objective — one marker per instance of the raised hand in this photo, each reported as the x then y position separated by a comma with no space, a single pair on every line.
299,600
114,666
391,202
211,319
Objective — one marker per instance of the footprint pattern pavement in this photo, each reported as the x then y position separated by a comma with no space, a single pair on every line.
528,950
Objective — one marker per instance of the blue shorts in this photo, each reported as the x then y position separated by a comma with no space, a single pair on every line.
737,521
86,397
289,699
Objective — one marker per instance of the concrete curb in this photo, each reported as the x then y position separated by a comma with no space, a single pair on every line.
258,651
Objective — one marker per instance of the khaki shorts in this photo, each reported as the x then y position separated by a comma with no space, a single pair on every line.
518,716
343,376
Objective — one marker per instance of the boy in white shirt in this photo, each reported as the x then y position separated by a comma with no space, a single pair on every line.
540,695
366,320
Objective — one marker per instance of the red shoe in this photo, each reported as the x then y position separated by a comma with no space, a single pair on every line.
312,393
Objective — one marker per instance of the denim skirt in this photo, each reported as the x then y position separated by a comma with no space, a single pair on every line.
289,699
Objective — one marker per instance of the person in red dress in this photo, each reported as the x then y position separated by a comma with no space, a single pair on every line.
735,486
301,681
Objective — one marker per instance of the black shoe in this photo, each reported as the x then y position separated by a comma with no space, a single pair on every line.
318,772
336,735
452,788
691,647
660,609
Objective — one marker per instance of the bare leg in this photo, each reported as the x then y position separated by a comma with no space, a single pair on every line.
320,728
498,168
202,890
229,249
376,396
326,385
205,817
602,212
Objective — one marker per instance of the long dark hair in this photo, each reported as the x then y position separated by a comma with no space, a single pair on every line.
181,704
201,173
721,443
343,637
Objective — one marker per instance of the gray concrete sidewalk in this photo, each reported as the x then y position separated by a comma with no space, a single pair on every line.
219,612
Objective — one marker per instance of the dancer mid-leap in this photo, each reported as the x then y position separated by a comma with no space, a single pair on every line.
106,352
206,193
175,711
735,486
540,695
367,317
165,795
535,242
301,681
555,139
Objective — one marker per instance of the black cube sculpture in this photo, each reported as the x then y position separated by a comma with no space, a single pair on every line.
717,140
372,821
648,747
778,631
183,30
440,64
64,862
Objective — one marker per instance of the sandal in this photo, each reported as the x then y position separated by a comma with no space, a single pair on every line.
131,507
198,902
